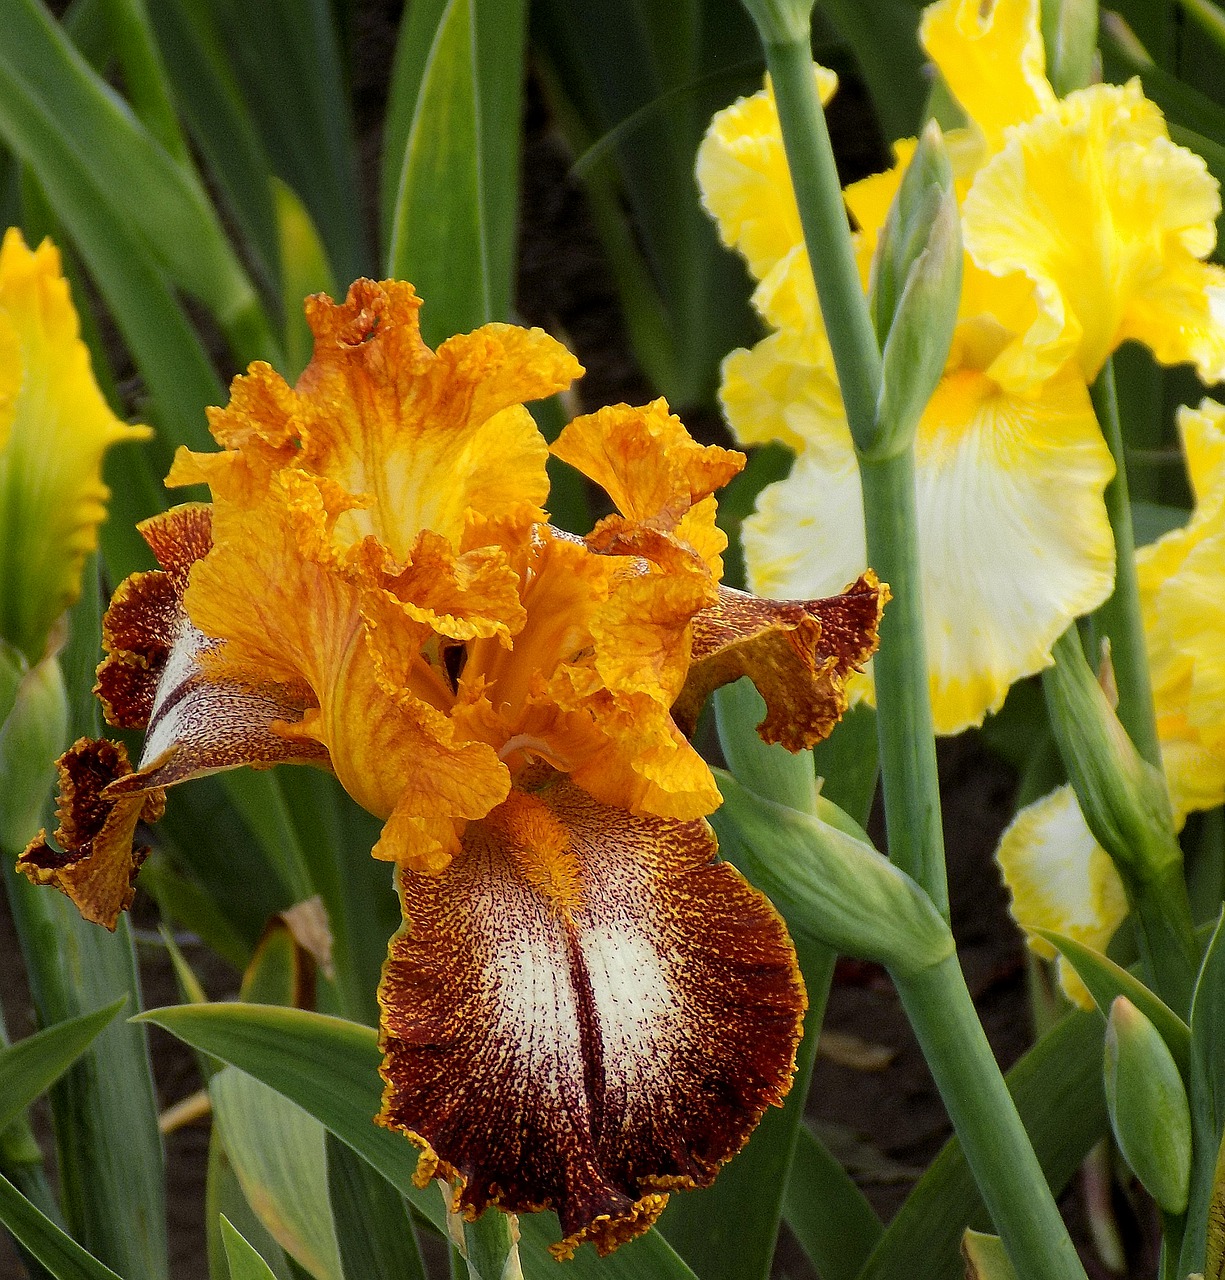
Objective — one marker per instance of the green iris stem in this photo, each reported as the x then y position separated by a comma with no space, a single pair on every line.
936,1000
1119,618
903,699
985,1117
827,234
907,747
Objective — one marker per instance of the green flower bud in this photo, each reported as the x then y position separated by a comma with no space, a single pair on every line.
1069,32
1122,797
1148,1106
915,291
830,884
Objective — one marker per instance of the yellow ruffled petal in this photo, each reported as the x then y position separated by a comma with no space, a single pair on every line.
1109,219
744,180
776,391
1061,880
1014,539
992,58
55,428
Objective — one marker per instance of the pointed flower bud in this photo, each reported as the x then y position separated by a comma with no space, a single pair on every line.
829,883
1123,797
916,290
1148,1106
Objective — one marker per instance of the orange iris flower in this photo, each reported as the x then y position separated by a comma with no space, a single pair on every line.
584,1008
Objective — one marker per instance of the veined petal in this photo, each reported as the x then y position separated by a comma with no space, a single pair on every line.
433,437
992,58
1101,159
800,655
1061,880
585,1012
55,428
744,180
1013,533
97,864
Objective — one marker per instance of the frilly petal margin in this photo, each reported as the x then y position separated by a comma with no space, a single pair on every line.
799,654
97,864
585,1012
153,678
1062,880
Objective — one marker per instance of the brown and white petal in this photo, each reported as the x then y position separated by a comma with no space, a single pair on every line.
585,1011
97,864
799,654
199,718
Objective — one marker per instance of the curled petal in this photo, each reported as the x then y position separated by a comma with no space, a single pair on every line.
1061,880
97,864
55,428
799,654
1102,157
585,1012
992,58
744,180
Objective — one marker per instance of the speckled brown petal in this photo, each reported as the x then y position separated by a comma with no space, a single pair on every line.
97,864
799,654
146,613
585,1011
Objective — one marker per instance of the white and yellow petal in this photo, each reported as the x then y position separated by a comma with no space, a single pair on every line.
1013,535
1061,880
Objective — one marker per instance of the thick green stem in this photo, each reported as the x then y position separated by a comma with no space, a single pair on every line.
908,755
827,234
1119,618
903,699
996,1146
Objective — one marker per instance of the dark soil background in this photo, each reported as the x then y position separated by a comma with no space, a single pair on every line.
872,1096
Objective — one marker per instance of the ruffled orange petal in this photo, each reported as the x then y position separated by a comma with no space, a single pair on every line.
799,654
585,1012
653,470
97,864
432,437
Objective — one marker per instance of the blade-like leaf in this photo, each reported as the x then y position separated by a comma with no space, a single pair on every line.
1106,980
245,1262
48,90
496,62
59,1253
1057,1087
277,1152
373,1228
440,234
31,1066
223,1197
305,271
827,1212
1207,1095
330,1068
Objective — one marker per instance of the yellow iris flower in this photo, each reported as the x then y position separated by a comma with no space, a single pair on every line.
55,428
1059,877
1083,226
584,1008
